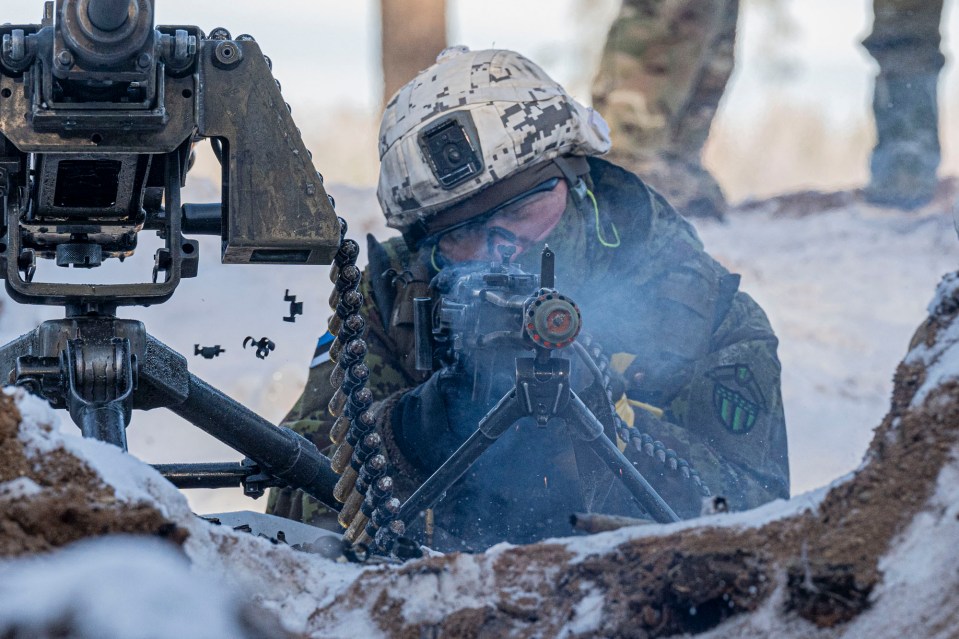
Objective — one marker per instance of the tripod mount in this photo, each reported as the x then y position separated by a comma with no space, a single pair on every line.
99,114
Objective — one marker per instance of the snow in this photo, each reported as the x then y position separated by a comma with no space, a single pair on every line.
921,571
18,489
288,583
39,430
844,290
587,614
583,547
88,587
942,358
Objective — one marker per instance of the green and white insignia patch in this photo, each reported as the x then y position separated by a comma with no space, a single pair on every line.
736,397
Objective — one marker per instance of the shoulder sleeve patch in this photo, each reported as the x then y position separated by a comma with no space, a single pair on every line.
737,398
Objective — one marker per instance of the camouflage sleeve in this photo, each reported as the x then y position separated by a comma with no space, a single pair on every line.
728,420
311,418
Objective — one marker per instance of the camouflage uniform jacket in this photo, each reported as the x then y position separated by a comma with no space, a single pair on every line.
682,335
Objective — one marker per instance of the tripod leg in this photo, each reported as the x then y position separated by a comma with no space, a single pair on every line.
106,423
506,412
165,381
588,428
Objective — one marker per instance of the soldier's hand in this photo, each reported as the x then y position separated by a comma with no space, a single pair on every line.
430,421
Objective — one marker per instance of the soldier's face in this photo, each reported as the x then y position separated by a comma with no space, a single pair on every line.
521,225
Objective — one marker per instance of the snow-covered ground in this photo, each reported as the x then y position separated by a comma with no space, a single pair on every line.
844,290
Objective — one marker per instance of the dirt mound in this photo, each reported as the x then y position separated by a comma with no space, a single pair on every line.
67,500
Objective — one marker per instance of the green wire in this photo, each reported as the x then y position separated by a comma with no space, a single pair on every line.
599,232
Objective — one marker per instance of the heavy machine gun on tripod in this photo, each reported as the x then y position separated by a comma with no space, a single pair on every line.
99,112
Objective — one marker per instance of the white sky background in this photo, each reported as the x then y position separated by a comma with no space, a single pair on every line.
807,56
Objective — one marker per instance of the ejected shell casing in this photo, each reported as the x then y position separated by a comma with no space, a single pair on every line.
341,458
345,484
337,402
357,527
338,431
334,324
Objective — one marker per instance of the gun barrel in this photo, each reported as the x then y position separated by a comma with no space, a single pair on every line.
109,15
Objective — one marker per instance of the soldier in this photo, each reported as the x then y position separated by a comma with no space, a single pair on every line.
663,72
905,42
484,150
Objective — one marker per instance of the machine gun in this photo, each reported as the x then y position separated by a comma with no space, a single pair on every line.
99,113
487,310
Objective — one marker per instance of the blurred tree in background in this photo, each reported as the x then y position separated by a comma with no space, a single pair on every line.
413,33
662,74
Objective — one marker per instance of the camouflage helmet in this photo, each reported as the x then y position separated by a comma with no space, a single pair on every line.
472,119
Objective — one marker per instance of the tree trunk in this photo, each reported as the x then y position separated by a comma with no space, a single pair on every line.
413,33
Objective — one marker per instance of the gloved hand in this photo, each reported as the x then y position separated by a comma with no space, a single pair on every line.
430,421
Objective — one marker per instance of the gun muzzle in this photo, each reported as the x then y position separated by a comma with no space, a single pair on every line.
109,15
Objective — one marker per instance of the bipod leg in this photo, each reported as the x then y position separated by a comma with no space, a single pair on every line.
506,412
588,428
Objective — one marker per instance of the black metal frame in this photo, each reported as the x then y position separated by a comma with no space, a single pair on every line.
274,210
